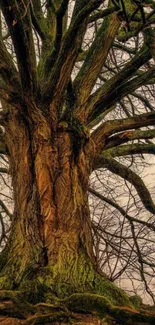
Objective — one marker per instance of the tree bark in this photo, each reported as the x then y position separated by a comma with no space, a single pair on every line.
50,248
50,169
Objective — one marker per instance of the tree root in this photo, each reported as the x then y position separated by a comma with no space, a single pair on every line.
78,309
48,318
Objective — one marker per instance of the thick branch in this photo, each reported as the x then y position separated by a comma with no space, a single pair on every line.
131,149
71,44
95,59
149,35
19,25
102,14
10,96
93,107
124,137
126,173
38,20
8,70
57,11
123,90
79,5
118,125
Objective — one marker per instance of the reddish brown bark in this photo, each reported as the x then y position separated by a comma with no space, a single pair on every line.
51,224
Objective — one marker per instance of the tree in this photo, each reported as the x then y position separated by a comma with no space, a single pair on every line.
56,93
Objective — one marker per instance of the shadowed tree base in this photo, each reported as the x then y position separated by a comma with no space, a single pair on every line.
68,292
78,309
43,297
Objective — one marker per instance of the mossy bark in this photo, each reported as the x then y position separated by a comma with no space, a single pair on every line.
49,256
81,309
51,229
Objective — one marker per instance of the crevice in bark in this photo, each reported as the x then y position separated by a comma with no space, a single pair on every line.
51,226
49,257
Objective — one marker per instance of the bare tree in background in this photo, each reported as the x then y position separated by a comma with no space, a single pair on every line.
77,93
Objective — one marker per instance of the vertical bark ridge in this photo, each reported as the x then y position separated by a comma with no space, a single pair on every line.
52,224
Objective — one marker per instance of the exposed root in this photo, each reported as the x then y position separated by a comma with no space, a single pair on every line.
10,321
48,318
78,309
14,304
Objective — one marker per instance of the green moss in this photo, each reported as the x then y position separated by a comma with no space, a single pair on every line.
40,279
128,317
34,290
87,303
6,283
110,291
47,319
136,301
3,258
10,294
46,282
77,277
19,307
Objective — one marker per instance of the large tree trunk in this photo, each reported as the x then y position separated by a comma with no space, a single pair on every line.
51,226
49,254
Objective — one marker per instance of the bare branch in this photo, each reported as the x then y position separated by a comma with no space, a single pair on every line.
126,173
110,127
120,209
